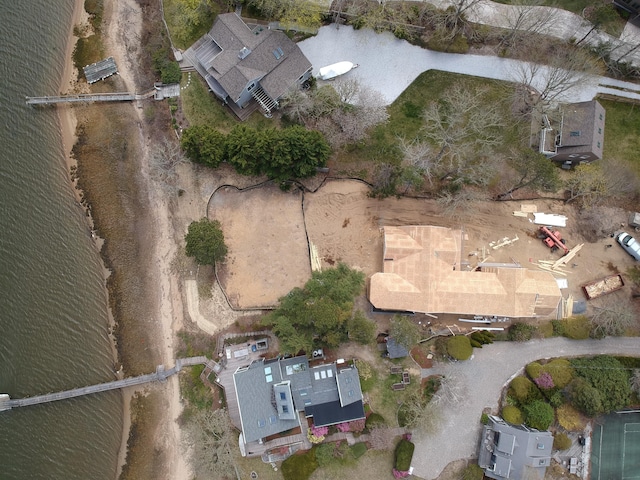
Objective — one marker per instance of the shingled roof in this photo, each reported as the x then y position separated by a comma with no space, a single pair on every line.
234,55
421,274
271,393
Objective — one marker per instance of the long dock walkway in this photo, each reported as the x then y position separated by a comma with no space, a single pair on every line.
158,92
160,375
90,97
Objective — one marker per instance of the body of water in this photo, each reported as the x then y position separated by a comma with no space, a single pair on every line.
53,306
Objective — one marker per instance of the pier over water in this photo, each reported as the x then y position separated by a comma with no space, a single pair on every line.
160,375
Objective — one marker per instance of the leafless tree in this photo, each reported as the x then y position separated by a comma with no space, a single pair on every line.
551,72
612,317
210,437
164,157
419,415
525,18
297,104
462,202
591,184
463,126
419,155
452,391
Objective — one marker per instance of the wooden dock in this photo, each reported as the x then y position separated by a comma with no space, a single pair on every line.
158,92
160,375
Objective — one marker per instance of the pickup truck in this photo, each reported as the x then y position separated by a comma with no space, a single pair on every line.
602,286
630,244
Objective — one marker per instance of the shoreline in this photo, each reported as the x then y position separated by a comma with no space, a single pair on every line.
68,127
120,34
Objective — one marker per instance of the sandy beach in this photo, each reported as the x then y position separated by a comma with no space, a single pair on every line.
121,36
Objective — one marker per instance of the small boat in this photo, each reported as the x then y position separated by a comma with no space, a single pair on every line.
335,70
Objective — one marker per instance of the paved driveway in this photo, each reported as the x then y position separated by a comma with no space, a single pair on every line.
390,65
484,377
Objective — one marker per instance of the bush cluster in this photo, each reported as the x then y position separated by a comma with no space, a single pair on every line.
404,454
282,155
459,347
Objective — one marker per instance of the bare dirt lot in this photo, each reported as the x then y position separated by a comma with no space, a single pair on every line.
269,253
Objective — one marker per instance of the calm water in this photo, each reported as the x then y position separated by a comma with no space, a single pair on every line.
53,309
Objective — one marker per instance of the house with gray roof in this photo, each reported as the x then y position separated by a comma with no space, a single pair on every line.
514,452
577,134
276,395
241,64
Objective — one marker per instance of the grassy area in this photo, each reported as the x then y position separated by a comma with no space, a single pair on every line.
201,107
621,139
405,118
373,464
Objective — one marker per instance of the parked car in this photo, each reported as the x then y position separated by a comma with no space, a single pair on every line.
629,244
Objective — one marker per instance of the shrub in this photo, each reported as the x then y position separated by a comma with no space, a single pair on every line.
358,449
569,418
534,369
484,419
613,387
586,398
523,390
324,454
576,328
459,347
317,434
556,398
521,332
545,381
299,467
473,472
561,441
343,427
404,454
375,420
560,370
539,415
512,415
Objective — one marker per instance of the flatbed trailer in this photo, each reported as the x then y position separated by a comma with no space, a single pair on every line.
603,286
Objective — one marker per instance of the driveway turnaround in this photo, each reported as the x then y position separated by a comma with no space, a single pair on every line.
390,65
482,379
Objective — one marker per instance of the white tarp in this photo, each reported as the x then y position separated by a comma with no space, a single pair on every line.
562,283
551,219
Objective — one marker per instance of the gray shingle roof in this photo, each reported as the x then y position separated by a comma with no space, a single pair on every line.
270,393
274,60
582,128
508,451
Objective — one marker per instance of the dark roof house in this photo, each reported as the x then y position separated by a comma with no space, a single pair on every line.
271,394
578,135
240,64
510,452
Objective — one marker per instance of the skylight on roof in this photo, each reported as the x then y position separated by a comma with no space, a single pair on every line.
269,378
273,419
262,423
278,53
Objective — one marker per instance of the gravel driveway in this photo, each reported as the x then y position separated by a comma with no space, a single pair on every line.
390,65
484,377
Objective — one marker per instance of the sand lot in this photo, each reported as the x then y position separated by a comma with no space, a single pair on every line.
268,235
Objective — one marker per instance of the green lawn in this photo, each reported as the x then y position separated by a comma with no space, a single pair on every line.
622,132
202,107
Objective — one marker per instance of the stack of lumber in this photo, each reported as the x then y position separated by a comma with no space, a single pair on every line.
567,307
557,266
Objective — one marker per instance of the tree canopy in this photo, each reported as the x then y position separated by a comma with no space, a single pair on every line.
317,314
205,242
282,155
404,331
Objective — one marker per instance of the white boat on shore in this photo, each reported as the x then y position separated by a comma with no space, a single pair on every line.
335,70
